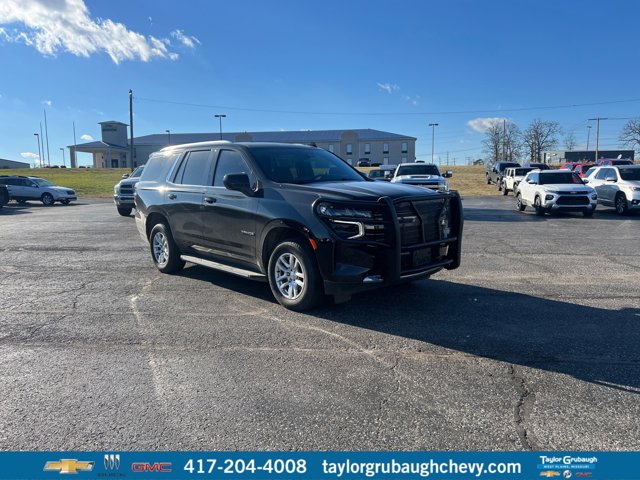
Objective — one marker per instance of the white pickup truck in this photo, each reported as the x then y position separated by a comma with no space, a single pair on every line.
511,178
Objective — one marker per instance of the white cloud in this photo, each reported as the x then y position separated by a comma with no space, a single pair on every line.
29,155
388,87
187,40
48,103
481,124
86,137
52,26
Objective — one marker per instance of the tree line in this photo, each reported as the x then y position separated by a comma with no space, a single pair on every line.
504,140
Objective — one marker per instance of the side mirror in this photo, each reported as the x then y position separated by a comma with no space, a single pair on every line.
125,175
448,174
585,180
238,182
610,179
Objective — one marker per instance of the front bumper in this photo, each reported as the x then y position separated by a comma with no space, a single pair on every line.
633,203
353,266
123,200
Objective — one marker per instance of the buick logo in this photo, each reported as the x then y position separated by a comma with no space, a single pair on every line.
111,461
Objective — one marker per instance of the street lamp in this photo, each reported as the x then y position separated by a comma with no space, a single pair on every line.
220,116
433,140
39,153
63,161
169,133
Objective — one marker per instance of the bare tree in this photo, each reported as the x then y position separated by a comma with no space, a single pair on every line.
541,135
502,139
630,134
570,141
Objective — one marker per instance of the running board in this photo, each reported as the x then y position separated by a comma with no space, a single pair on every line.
241,272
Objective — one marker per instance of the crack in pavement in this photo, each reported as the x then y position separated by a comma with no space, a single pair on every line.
522,409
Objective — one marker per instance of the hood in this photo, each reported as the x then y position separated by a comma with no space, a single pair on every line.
568,187
363,191
58,188
129,181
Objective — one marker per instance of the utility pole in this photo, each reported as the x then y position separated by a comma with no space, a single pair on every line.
433,140
46,131
447,158
74,162
597,119
131,126
169,133
42,142
63,161
39,153
220,116
588,135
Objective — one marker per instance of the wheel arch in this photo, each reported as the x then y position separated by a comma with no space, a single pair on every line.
276,232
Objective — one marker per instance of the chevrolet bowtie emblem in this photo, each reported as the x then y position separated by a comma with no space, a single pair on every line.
68,466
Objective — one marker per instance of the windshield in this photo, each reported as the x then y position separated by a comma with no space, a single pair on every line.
417,170
559,178
41,182
303,165
520,172
631,174
137,172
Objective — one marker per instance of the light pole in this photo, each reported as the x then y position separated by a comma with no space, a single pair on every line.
63,161
433,140
588,135
220,116
169,133
39,153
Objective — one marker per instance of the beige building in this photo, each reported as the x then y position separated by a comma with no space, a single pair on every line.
351,145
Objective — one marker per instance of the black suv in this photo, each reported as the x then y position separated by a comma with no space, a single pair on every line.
296,216
495,171
4,195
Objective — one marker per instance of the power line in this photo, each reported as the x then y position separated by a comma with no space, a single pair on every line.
452,112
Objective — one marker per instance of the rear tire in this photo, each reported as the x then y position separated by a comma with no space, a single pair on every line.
520,206
621,204
124,211
294,277
47,199
537,205
505,192
488,179
164,251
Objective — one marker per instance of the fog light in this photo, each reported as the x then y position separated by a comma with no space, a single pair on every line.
548,197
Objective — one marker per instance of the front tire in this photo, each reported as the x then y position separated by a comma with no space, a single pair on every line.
537,205
520,206
47,199
622,208
164,251
124,211
294,277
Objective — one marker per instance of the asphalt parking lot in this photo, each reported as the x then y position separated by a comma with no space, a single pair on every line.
534,343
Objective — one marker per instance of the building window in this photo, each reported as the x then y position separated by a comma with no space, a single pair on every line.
331,147
367,148
385,148
385,160
404,147
349,148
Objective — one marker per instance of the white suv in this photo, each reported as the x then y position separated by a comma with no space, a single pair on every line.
555,191
512,177
617,186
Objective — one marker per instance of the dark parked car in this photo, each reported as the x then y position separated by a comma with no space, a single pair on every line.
538,165
495,171
296,216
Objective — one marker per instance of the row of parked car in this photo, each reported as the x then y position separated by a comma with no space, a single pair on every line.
574,187
25,188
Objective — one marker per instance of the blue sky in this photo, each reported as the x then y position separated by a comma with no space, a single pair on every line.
394,66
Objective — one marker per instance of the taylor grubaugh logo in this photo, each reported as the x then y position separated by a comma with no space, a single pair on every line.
111,461
67,465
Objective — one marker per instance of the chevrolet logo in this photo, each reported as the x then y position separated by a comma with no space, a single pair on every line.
549,474
68,466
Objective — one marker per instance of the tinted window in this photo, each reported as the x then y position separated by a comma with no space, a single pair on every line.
521,171
632,174
230,161
157,166
303,165
417,170
559,178
196,169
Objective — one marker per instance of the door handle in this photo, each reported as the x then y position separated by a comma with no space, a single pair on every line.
210,200
172,196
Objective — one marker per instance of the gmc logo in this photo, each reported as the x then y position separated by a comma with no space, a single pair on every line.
149,467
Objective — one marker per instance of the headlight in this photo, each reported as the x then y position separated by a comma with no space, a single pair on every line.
336,211
634,189
548,197
443,187
443,221
116,189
